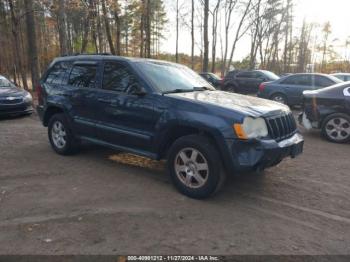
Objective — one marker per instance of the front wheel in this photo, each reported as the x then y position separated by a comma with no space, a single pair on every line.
336,128
195,167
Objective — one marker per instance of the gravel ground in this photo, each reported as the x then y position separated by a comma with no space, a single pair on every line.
97,202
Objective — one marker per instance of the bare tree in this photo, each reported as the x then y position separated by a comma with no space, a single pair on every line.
62,28
32,47
148,28
16,40
205,37
229,7
192,34
240,31
177,32
118,24
214,34
108,30
327,30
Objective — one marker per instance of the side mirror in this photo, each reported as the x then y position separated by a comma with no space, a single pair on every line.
137,90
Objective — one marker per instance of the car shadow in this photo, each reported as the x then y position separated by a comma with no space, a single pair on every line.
235,184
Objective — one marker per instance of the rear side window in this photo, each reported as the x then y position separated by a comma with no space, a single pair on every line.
83,76
323,81
58,73
247,75
302,80
117,77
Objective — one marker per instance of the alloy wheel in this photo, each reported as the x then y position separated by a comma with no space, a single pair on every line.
338,128
191,168
58,134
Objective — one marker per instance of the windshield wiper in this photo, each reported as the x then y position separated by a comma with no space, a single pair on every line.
183,90
178,90
202,88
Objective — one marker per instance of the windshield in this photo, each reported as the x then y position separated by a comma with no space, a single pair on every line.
4,83
168,77
271,76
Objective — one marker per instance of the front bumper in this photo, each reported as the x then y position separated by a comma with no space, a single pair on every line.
256,154
17,109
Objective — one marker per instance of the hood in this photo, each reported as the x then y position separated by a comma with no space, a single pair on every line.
248,105
4,92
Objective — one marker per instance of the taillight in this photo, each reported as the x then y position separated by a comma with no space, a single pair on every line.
262,87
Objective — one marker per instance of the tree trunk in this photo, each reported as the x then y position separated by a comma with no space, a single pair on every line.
142,28
177,32
214,35
32,48
205,36
15,33
148,28
99,30
118,35
88,15
192,35
62,28
108,30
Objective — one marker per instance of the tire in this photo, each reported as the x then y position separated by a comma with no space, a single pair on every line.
336,128
198,177
60,135
231,88
280,98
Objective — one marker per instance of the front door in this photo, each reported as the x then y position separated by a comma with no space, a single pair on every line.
124,119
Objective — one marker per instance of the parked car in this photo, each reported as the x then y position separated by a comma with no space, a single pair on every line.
328,109
289,90
213,79
246,82
13,100
163,110
342,76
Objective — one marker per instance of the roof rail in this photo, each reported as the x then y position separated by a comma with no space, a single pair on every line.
76,54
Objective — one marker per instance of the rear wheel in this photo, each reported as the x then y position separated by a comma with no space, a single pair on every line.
61,137
195,167
336,128
280,98
231,88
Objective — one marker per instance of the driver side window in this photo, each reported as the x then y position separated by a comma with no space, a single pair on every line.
117,77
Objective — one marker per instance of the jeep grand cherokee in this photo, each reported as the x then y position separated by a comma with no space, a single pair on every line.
163,110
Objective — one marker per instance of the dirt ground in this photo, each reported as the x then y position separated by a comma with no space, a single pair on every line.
97,202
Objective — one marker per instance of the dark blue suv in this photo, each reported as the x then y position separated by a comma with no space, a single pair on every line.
163,110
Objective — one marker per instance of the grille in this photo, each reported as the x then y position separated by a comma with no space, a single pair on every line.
13,101
281,127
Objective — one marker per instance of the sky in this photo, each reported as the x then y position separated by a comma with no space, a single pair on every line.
316,11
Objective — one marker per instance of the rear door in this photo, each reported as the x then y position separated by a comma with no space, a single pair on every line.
82,86
294,86
245,82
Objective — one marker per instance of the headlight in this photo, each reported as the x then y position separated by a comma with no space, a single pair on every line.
251,128
28,97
